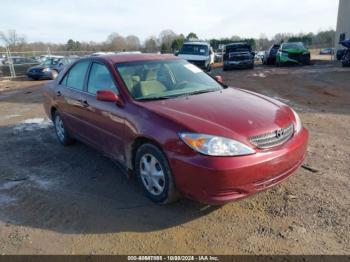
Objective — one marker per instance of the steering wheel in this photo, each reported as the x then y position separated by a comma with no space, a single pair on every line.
181,84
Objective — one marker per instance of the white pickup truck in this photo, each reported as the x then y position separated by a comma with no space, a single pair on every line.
198,53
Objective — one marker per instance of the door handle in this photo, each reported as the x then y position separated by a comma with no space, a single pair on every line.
85,103
59,93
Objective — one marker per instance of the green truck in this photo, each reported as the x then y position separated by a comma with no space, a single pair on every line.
293,53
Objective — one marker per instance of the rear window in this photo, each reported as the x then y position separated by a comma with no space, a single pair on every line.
238,48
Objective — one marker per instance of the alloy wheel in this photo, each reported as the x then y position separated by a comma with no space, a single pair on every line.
59,128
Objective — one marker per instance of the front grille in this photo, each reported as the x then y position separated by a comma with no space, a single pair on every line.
295,56
274,138
197,63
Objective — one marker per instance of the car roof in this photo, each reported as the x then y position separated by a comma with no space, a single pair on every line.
123,58
196,43
238,44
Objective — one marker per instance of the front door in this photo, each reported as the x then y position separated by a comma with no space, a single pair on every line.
106,119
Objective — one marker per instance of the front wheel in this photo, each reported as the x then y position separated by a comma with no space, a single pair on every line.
154,174
54,74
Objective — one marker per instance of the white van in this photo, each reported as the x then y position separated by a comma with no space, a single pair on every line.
198,53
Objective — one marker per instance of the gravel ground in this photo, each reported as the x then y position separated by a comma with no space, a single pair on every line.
56,200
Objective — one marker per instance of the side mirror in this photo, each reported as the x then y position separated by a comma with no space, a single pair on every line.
108,96
219,79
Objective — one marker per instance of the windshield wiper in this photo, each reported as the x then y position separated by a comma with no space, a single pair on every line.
153,98
177,95
201,92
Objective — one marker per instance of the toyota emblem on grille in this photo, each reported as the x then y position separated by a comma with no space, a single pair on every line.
279,133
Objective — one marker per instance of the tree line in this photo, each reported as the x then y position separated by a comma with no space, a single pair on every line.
166,42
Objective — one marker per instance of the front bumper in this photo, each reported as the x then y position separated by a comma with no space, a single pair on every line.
218,180
295,59
203,64
39,75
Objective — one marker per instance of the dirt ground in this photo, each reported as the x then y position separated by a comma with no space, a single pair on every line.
56,200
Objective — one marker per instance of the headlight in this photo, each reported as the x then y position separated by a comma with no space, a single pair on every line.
285,53
298,123
215,145
46,70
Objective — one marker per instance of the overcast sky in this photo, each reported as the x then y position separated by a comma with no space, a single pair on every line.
85,20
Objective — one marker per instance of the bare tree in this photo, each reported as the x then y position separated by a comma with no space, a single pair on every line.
151,45
116,42
13,40
133,43
166,38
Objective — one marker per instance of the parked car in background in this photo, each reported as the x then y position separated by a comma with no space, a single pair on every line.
50,68
270,55
238,55
340,53
200,54
327,51
293,53
20,65
20,60
218,55
259,56
102,53
346,56
150,113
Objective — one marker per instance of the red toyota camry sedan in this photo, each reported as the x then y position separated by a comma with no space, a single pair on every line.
181,131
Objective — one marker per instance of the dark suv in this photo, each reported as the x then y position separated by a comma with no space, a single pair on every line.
238,55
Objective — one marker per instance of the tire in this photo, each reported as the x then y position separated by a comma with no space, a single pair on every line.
54,74
224,68
154,174
61,132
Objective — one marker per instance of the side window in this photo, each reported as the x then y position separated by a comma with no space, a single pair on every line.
100,79
76,76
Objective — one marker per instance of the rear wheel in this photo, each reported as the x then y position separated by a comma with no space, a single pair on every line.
61,132
154,174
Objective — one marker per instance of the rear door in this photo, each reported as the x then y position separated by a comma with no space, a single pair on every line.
105,119
69,97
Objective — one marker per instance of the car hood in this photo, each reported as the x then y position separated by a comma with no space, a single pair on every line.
232,113
194,57
38,67
295,50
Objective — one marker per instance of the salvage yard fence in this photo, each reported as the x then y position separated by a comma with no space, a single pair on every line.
16,64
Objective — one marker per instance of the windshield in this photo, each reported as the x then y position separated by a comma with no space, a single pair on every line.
194,50
51,61
293,46
149,80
